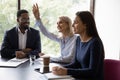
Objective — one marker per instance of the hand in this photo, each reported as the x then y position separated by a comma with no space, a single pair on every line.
59,70
20,54
41,54
26,50
36,12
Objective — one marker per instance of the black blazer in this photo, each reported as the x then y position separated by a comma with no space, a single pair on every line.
10,42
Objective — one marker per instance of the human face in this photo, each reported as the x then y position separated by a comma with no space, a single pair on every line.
62,26
78,26
23,21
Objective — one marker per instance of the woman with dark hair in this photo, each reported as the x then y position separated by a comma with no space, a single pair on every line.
89,57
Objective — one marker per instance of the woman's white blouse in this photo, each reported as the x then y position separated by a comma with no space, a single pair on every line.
68,44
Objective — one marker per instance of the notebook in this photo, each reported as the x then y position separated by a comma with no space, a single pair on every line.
13,62
51,76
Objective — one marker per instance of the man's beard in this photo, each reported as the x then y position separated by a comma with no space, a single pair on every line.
25,27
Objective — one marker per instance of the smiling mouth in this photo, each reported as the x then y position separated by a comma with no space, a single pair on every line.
26,24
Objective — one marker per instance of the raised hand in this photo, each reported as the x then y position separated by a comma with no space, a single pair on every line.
36,11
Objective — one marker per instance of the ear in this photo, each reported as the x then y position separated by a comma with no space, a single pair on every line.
17,20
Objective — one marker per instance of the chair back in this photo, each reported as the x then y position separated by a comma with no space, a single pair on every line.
112,69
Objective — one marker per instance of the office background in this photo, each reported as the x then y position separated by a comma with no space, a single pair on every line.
106,14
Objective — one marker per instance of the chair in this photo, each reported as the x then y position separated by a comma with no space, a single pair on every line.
112,69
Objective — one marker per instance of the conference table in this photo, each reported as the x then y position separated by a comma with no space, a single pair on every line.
25,71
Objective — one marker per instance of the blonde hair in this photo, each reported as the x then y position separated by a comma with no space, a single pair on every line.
69,22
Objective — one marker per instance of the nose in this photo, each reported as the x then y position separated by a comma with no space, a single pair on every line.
57,24
25,20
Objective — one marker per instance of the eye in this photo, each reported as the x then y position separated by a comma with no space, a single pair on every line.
25,20
60,22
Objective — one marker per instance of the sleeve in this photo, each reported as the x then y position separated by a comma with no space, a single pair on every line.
68,58
37,44
63,59
94,64
74,62
46,32
6,50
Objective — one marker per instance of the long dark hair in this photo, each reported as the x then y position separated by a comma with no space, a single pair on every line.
87,18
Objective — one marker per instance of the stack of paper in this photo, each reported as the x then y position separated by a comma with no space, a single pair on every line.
13,62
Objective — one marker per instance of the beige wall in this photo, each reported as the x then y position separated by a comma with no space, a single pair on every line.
107,16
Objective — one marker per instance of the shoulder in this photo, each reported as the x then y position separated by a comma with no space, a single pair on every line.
12,30
35,30
97,45
78,38
96,42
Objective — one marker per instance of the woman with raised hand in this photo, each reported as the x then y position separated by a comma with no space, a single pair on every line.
67,40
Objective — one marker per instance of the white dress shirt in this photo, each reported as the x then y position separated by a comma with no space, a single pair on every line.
22,39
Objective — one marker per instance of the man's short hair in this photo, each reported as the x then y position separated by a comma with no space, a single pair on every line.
19,12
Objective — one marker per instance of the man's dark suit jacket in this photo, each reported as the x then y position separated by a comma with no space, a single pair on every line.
10,43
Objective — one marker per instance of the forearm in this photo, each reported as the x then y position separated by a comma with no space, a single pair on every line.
45,32
8,53
36,47
75,72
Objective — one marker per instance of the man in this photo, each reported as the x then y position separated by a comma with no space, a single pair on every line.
21,41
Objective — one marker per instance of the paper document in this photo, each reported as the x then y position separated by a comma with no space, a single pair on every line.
51,76
13,62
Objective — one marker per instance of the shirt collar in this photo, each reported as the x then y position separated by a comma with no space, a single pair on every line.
66,38
17,28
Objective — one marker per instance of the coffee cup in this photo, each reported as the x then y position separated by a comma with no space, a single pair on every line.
46,60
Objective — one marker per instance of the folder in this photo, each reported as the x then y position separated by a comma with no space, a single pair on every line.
13,62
